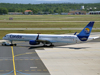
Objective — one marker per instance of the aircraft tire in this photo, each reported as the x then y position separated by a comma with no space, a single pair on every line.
15,44
44,45
51,45
11,44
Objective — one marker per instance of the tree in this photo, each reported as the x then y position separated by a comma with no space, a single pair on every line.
29,12
52,8
3,11
11,9
35,11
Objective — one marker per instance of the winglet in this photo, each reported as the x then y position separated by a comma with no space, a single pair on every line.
84,34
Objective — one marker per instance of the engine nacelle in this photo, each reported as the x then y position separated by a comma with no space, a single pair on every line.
33,42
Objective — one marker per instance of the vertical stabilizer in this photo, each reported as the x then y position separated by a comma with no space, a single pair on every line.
84,34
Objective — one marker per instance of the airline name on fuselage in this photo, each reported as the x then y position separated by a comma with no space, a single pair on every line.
15,36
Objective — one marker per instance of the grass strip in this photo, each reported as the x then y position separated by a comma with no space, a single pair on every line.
46,24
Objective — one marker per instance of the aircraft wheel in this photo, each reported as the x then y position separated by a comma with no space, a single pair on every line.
51,45
44,45
11,44
14,44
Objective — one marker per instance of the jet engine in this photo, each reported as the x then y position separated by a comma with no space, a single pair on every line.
33,42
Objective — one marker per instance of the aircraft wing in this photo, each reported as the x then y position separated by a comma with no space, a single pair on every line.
42,41
47,41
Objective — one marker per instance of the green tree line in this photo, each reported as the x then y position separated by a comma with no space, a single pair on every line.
51,8
3,11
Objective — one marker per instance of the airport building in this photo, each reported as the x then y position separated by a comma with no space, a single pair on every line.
94,12
15,13
28,12
82,7
78,12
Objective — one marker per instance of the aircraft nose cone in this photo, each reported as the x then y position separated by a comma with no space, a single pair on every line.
3,38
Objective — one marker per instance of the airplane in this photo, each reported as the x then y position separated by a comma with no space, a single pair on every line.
36,39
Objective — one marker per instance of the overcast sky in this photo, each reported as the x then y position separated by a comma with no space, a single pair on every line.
48,1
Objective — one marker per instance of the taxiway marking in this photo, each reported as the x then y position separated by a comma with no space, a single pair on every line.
24,54
7,70
13,60
1,70
25,70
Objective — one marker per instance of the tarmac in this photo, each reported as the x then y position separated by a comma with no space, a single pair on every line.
75,59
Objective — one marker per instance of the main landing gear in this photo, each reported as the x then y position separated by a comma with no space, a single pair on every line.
46,45
13,44
51,45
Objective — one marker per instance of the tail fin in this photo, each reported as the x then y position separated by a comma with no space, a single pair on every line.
84,34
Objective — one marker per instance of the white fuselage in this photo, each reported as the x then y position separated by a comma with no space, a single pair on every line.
52,38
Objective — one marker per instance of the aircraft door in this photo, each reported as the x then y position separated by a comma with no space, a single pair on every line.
75,40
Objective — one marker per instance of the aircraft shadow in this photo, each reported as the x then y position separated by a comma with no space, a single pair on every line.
56,45
76,48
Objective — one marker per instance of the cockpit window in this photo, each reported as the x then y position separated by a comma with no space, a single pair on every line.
5,36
